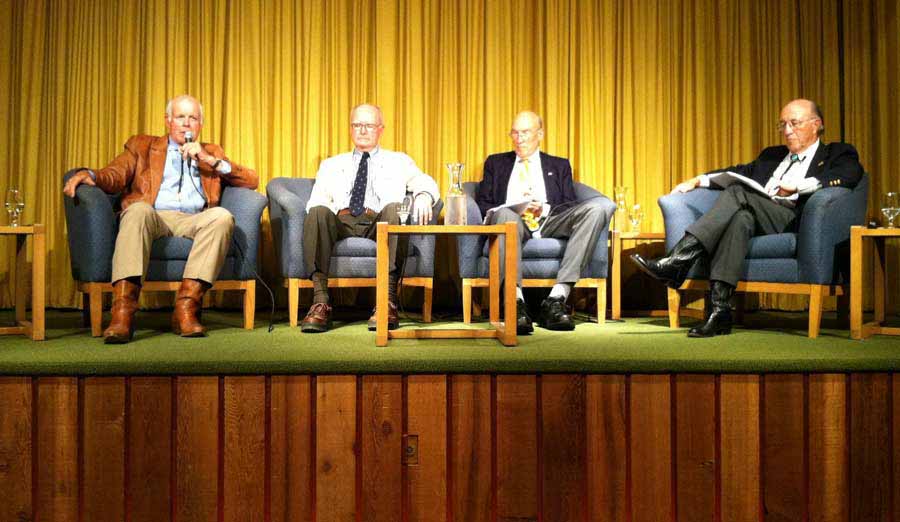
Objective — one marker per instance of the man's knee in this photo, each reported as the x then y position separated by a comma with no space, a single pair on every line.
220,219
593,210
504,215
319,213
390,213
137,212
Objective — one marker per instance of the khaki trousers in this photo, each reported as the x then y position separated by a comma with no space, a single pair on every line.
140,224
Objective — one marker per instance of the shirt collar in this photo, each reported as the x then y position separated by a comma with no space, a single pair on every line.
534,159
172,145
809,152
357,154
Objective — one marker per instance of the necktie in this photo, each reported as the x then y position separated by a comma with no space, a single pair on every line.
794,159
525,176
358,194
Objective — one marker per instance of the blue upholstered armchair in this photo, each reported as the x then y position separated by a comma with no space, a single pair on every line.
92,227
353,262
540,257
813,261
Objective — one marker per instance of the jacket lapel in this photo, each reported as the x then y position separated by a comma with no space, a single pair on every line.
818,161
157,164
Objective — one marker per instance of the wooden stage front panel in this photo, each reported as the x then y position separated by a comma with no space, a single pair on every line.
465,448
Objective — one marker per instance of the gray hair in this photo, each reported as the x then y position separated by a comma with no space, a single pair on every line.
178,98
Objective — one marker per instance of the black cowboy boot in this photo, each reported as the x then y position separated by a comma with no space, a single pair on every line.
720,321
673,269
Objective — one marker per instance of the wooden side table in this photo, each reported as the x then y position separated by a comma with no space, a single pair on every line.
617,239
35,327
858,330
505,331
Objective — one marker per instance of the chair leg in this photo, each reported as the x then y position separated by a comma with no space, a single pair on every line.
816,295
85,309
249,304
426,306
601,301
467,300
293,300
95,293
674,308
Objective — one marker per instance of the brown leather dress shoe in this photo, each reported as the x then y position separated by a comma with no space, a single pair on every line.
393,318
186,316
318,319
125,304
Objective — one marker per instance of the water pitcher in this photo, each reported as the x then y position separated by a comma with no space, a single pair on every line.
456,198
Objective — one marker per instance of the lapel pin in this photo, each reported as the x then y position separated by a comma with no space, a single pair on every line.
821,163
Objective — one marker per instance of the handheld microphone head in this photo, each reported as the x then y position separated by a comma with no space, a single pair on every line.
188,137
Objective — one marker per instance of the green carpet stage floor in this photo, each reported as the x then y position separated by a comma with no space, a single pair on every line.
769,342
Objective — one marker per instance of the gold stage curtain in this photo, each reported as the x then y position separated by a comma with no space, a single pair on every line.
635,92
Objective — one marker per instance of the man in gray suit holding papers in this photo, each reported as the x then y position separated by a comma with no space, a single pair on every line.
769,201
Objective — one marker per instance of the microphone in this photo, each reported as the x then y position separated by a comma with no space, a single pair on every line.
189,138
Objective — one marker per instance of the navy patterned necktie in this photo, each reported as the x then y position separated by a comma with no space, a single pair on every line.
358,194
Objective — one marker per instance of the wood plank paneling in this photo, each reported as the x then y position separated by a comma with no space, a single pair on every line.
244,449
563,447
427,418
335,448
103,432
740,447
16,411
695,447
291,449
57,449
651,448
784,466
606,447
828,467
382,438
470,435
149,452
197,448
517,448
870,447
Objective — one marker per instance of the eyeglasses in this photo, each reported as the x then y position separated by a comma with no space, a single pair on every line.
794,124
527,133
370,127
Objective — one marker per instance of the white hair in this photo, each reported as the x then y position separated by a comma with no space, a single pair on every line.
178,99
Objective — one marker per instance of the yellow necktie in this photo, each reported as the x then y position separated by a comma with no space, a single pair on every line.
525,177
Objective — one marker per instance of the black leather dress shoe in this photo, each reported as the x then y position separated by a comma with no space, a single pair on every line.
554,316
523,321
720,321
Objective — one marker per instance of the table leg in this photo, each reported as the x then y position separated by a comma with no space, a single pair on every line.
511,238
381,284
494,278
38,271
19,271
878,274
616,275
856,283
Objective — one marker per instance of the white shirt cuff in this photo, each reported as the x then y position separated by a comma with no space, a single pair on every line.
704,181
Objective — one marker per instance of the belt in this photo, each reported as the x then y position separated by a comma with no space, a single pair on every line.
346,212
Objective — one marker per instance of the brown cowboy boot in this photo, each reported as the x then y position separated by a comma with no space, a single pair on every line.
186,316
125,304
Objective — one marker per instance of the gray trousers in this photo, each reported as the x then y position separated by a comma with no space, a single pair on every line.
323,228
581,224
140,224
737,216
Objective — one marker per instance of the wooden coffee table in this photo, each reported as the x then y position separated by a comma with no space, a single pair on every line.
504,331
35,327
858,330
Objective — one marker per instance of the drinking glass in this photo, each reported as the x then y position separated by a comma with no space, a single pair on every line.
404,209
636,216
15,205
890,207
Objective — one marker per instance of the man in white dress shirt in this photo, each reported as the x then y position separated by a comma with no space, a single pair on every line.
789,173
354,191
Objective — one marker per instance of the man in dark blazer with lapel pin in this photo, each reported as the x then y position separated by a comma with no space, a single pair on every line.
545,181
789,174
